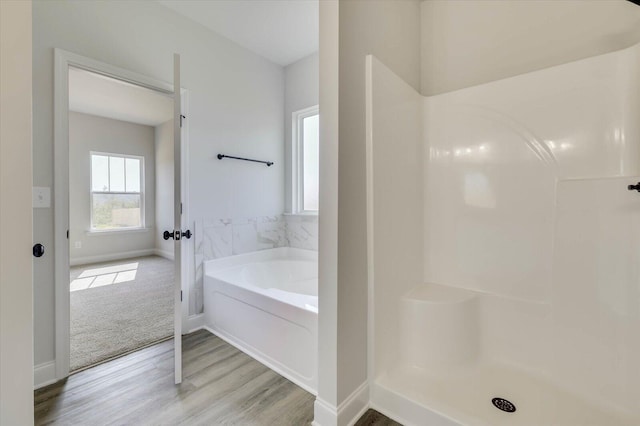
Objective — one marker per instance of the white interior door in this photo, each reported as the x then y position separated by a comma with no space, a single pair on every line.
177,217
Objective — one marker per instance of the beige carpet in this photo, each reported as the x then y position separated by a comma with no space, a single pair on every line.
119,306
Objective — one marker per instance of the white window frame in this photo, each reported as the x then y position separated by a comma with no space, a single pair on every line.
297,159
92,229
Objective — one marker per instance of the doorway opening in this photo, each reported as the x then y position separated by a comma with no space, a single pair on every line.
119,187
120,199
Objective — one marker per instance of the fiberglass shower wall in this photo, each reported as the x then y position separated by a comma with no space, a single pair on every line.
501,227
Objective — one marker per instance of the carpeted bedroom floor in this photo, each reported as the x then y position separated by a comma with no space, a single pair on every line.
119,306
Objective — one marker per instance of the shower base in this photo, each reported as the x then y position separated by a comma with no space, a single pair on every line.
464,397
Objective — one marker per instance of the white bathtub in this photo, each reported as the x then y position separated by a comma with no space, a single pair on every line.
266,304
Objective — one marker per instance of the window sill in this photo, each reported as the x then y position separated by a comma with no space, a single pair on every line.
302,214
95,233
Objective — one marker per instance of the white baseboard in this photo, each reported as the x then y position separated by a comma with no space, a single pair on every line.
354,406
195,323
324,414
163,253
403,410
44,374
109,257
347,413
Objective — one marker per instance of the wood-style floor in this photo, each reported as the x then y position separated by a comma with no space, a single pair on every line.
373,418
221,386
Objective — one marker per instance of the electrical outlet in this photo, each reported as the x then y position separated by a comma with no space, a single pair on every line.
78,244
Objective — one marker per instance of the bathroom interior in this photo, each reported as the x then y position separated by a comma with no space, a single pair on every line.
249,122
476,258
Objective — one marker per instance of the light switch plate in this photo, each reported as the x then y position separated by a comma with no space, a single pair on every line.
41,197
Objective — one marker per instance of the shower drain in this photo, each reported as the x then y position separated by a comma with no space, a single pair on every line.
504,405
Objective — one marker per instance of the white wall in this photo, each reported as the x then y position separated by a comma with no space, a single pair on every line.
164,187
236,103
89,133
16,284
391,31
470,42
327,400
300,91
349,30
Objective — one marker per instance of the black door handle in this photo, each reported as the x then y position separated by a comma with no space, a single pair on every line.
176,234
634,187
38,250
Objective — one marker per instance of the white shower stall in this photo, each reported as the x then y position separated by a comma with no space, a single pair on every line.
504,247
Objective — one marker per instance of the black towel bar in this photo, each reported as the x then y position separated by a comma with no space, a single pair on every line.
268,163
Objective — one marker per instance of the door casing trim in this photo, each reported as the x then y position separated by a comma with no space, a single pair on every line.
62,61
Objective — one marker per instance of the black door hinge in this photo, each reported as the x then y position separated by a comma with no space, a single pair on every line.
67,234
181,295
182,117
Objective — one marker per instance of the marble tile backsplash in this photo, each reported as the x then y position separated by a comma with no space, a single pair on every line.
216,238
302,231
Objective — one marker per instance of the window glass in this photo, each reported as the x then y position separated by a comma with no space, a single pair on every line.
310,162
116,174
112,211
132,171
99,173
116,192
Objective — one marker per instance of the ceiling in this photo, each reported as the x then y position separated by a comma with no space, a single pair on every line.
282,31
95,94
